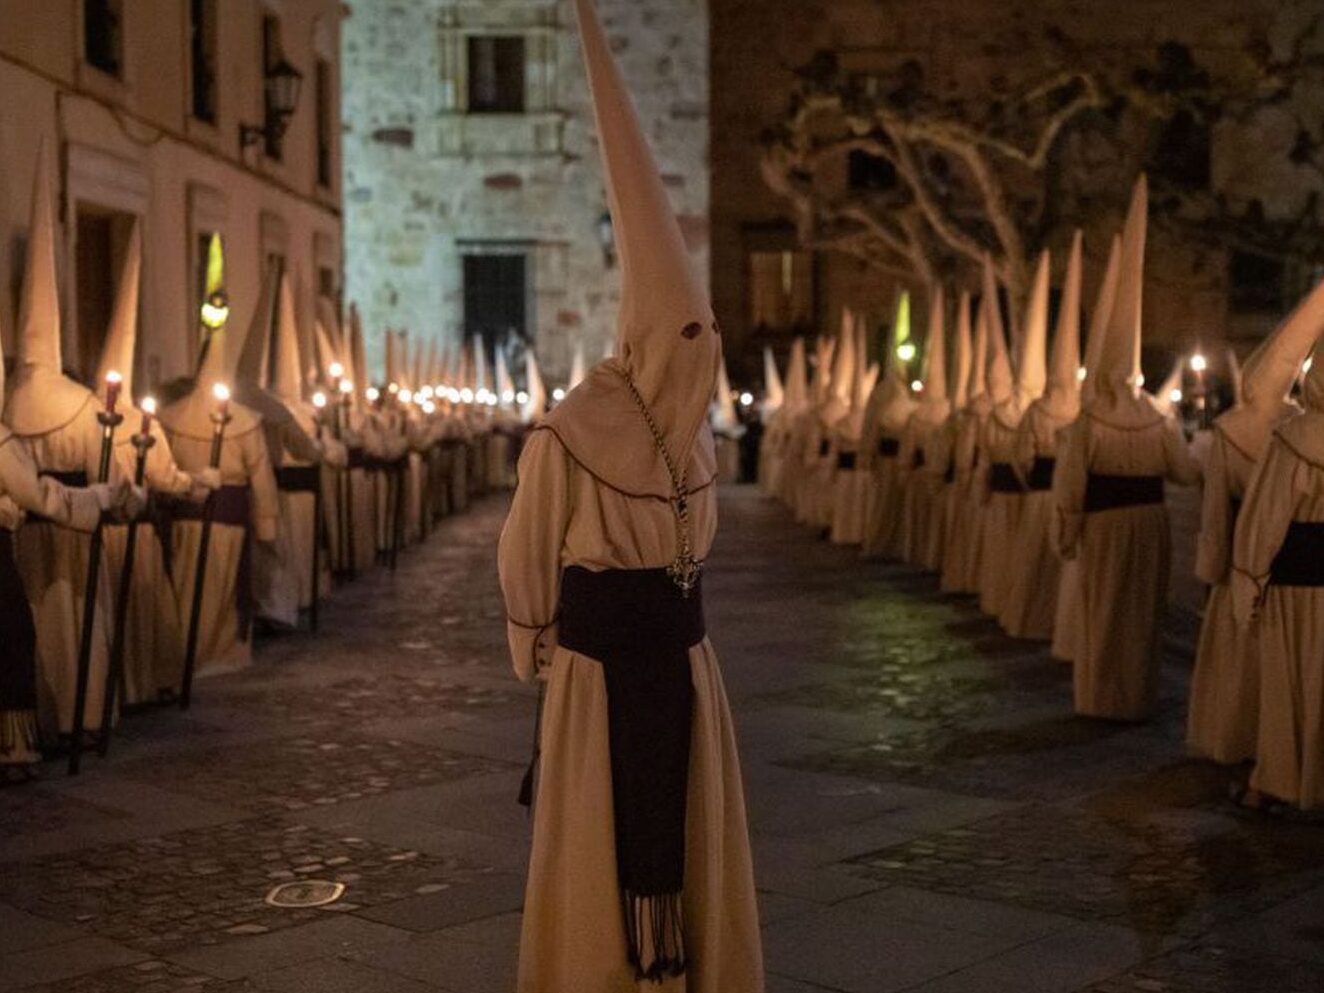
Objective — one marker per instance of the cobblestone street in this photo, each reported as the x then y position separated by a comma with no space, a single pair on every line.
927,813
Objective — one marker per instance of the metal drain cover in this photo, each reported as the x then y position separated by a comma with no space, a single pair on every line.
306,893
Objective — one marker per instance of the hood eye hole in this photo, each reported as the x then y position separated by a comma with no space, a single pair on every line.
692,330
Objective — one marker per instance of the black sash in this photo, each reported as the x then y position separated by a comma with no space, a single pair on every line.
824,447
637,624
949,476
889,448
1041,473
1002,478
917,461
230,505
845,460
1114,492
298,478
73,478
357,459
1300,560
1235,506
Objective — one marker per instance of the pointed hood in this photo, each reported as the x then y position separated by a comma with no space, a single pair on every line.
843,367
330,347
416,380
1063,398
1235,377
117,353
935,348
358,355
1032,359
284,379
962,359
1312,388
536,406
1163,395
774,394
578,367
979,357
725,421
797,379
820,385
999,386
252,371
505,386
1099,317
191,415
1119,365
41,398
891,401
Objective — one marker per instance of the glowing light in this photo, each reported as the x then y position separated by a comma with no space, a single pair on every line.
426,393
558,394
906,351
373,394
1140,379
453,395
346,387
319,399
466,395
405,396
215,311
393,388
1175,395
428,407
482,395
337,370
221,392
746,399
491,400
1081,373
917,386
1199,363
1305,369
521,397
148,405
507,396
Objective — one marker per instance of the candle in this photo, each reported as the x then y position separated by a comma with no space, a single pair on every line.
113,383
337,371
222,394
148,407
319,399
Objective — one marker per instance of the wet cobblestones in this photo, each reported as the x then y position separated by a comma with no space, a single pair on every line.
152,976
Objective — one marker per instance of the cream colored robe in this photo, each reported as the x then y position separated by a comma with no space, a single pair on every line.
1124,556
573,937
728,459
1225,686
282,571
53,563
923,515
1030,607
1002,511
850,487
965,537
1289,624
244,462
883,507
153,633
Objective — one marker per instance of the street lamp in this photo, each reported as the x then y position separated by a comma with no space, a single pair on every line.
280,87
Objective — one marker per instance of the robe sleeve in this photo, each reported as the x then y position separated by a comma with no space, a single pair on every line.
1070,479
1271,500
262,479
79,509
529,553
161,471
1213,550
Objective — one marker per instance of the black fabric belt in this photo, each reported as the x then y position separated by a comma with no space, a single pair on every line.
1115,492
845,460
299,478
73,478
1235,506
889,448
1300,560
917,462
636,623
231,506
950,475
357,459
1041,473
1002,478
824,447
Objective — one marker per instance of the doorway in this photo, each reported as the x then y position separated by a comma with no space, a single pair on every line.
101,239
496,298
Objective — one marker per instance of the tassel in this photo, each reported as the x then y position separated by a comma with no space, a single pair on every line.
658,918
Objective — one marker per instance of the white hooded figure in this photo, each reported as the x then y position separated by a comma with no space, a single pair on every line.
851,483
56,419
1108,488
269,381
25,491
774,396
640,868
888,412
153,633
1278,592
1224,712
727,429
535,408
923,536
798,491
1030,608
1004,489
940,454
777,428
245,509
819,459
960,561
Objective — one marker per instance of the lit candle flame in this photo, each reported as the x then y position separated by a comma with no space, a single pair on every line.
346,387
221,392
149,406
373,394
337,370
1199,363
319,399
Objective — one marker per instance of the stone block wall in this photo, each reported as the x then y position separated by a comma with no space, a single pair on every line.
427,182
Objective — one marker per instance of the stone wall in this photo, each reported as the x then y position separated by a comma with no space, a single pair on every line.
962,43
427,182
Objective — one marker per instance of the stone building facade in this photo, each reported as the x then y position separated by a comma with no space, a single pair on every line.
142,105
475,201
763,280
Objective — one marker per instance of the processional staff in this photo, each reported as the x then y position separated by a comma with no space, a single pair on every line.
142,443
109,420
219,419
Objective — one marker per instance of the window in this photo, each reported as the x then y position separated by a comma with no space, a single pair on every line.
271,55
870,172
781,289
102,40
323,96
202,52
496,74
495,288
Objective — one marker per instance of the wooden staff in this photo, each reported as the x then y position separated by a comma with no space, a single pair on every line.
220,418
142,442
109,420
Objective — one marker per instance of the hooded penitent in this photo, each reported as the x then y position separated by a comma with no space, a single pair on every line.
330,349
774,393
1063,398
1119,362
536,389
725,421
117,354
1032,361
1099,317
962,358
1000,384
797,380
578,366
935,402
836,404
358,354
41,398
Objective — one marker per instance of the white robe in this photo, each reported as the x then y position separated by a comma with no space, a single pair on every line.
1002,511
965,537
573,938
1289,629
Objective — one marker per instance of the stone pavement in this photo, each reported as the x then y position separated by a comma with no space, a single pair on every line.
927,814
